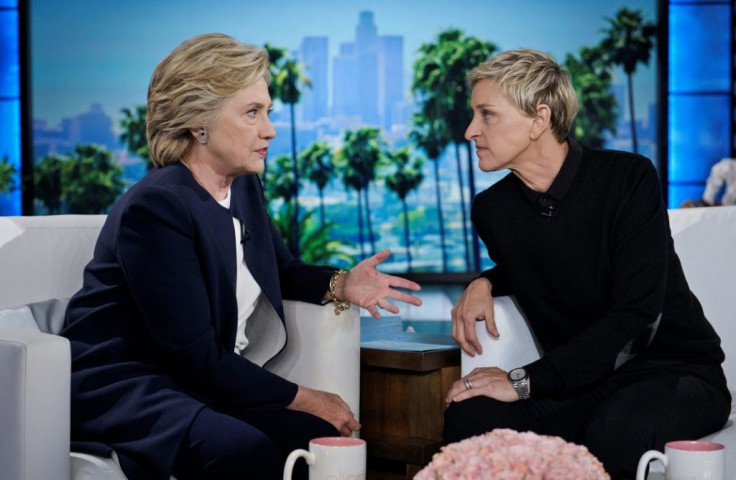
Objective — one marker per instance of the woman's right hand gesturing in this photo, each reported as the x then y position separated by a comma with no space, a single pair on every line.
475,304
327,406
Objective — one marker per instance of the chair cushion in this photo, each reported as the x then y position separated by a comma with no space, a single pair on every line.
49,314
46,316
18,318
90,467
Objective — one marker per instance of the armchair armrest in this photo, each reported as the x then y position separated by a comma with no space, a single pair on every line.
322,351
34,405
515,346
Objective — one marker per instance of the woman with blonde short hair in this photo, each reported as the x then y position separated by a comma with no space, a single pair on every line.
181,305
581,238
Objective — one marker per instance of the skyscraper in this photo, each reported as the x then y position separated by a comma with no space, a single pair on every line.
367,78
313,54
344,82
391,82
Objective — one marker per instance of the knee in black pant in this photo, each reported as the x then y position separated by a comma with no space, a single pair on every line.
256,458
618,443
453,420
468,418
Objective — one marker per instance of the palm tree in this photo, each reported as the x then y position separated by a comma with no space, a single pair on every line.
279,181
7,176
317,165
276,58
314,243
442,89
406,177
286,81
352,181
278,185
360,156
628,42
432,136
133,124
91,180
429,77
591,79
47,182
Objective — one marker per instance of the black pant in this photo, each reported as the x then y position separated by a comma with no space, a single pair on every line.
642,406
254,446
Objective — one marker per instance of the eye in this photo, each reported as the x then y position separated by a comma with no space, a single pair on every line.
486,115
252,112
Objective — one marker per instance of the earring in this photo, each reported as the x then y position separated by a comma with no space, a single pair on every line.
203,137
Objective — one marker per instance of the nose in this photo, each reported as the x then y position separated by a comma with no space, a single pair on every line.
268,132
471,132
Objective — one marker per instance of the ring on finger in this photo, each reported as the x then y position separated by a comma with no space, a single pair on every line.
468,385
378,303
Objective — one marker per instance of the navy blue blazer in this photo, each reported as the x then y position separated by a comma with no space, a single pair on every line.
152,329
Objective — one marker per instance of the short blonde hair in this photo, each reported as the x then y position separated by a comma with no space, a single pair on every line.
529,78
188,87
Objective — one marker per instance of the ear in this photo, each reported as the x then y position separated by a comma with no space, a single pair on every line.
540,121
194,131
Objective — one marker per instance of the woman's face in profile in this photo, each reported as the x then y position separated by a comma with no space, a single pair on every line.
500,131
241,131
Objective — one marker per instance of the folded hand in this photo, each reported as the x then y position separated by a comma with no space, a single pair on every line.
327,406
488,381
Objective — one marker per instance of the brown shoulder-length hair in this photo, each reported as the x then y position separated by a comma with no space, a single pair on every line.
188,87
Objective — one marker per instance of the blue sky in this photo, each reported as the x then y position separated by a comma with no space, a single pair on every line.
87,51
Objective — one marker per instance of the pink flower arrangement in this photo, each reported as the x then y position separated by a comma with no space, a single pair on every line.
511,455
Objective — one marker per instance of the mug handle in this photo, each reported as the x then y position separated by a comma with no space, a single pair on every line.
645,459
293,457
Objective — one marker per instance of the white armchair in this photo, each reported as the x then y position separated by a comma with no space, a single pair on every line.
41,260
705,241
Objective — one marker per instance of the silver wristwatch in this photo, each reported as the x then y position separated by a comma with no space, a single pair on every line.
519,379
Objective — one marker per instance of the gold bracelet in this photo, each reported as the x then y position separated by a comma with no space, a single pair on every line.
340,305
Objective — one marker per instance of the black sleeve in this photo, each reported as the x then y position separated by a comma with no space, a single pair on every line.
299,280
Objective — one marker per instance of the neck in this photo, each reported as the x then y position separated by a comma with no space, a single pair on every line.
541,169
217,185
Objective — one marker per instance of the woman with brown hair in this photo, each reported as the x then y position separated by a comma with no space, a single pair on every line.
181,306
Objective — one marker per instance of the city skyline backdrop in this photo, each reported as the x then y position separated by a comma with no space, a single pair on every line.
89,51
92,59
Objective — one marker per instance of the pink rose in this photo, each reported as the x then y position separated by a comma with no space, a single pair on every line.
505,454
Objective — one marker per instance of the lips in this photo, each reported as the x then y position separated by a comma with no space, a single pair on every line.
262,152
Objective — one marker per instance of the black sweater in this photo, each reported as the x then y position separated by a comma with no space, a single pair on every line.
596,277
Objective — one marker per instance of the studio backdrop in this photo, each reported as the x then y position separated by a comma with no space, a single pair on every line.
364,159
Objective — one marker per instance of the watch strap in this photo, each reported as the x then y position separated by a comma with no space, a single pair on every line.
522,388
521,385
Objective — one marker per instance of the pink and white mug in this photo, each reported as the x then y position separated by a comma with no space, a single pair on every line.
331,458
687,460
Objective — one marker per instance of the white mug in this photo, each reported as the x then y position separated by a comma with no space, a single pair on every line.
331,458
687,460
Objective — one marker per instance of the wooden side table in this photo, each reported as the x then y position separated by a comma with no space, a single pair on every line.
402,404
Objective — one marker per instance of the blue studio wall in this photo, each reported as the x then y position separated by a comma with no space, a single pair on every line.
10,121
699,96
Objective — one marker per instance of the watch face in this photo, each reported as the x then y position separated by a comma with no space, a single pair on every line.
517,374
